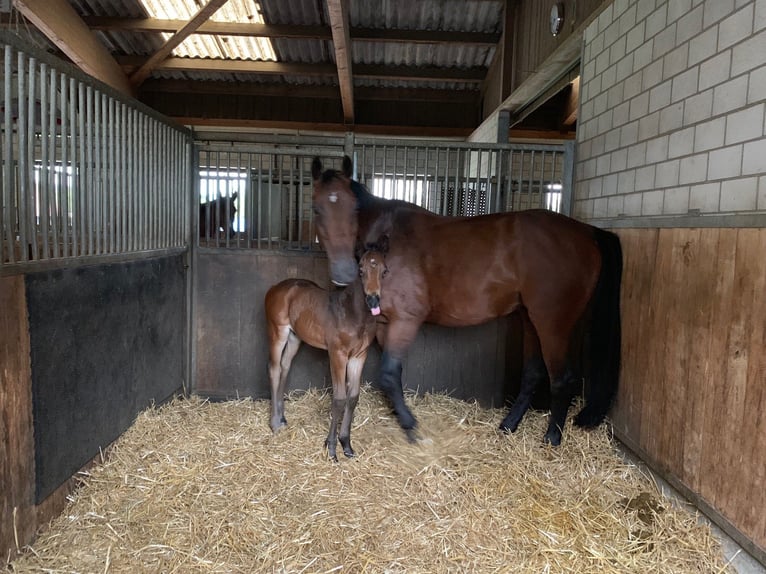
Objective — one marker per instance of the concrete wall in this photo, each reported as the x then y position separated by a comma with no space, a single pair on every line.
672,110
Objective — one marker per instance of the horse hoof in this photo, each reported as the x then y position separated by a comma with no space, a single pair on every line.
349,453
275,428
586,419
552,438
412,435
508,428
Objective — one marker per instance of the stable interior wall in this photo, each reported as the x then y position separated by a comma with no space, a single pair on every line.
83,351
231,342
671,154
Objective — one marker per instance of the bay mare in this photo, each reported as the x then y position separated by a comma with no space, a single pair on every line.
557,272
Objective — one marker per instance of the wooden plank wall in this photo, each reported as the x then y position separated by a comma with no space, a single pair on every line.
17,459
693,384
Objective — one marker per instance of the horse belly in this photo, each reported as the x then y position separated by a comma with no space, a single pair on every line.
472,308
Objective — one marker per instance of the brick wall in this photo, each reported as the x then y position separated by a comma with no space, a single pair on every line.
672,117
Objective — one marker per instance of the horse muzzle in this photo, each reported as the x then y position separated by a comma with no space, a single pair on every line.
373,302
343,272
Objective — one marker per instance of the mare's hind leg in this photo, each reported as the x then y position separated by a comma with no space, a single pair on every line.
398,337
563,382
284,346
533,373
354,371
338,373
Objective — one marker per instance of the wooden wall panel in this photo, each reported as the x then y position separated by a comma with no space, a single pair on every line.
693,382
17,472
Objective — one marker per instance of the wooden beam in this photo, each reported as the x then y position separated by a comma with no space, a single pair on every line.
204,13
210,27
313,92
414,131
232,66
64,27
341,38
572,104
291,31
428,73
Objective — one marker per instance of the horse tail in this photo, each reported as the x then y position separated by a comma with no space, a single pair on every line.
604,342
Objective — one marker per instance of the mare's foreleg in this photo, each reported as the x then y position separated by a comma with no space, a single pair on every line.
532,374
354,372
338,362
563,382
284,346
399,336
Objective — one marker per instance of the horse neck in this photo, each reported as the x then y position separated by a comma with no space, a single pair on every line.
351,298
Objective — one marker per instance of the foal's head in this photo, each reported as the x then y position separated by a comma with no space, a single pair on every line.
372,269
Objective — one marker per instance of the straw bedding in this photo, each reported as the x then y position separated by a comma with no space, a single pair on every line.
200,487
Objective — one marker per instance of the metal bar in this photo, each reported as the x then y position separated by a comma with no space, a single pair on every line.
82,180
63,195
89,199
98,223
23,155
529,179
270,202
8,160
112,186
541,203
43,180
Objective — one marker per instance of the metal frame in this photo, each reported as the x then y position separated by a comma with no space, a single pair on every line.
82,180
450,178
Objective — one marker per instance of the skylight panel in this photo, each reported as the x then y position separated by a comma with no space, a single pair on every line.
215,46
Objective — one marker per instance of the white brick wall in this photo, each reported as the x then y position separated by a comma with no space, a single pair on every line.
673,112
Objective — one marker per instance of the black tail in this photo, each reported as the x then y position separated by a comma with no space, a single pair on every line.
604,343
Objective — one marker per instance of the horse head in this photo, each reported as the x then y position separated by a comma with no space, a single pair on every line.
335,216
372,270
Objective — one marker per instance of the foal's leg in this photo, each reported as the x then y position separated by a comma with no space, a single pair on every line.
338,373
532,374
354,372
284,346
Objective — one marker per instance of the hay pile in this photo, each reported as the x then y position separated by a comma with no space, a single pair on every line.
199,487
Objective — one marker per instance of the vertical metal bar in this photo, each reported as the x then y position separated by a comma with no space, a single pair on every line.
529,178
250,205
385,174
119,166
63,187
258,224
98,224
111,179
53,202
8,203
271,212
82,178
23,156
456,195
74,186
89,167
29,173
541,203
43,181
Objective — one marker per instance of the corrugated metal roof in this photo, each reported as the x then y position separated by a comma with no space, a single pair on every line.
485,16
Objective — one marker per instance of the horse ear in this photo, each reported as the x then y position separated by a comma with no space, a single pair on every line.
316,168
234,195
347,166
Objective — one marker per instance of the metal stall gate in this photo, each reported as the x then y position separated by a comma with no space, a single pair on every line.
95,193
259,196
256,227
85,172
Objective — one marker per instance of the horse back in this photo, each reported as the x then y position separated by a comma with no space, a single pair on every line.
463,271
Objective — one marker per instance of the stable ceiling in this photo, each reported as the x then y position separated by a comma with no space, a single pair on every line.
390,66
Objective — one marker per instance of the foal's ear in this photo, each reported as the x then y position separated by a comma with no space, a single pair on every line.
316,168
347,166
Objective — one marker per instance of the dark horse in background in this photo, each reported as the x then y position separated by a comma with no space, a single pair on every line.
559,273
217,215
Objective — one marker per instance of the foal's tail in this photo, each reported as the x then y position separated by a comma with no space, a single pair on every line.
604,355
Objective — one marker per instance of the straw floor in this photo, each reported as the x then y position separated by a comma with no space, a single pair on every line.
199,487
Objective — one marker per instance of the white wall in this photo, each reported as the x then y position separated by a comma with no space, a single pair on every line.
672,110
